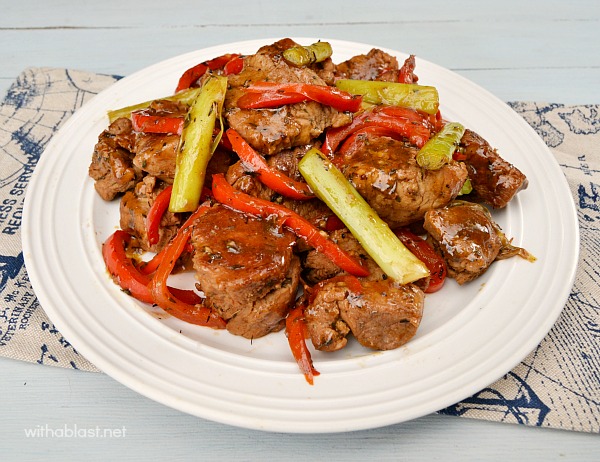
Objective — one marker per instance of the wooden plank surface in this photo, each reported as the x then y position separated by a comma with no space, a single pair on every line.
543,51
519,50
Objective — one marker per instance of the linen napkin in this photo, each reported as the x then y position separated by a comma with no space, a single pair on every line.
557,385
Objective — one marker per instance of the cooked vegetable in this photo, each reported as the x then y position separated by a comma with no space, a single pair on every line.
122,269
295,330
127,276
404,122
406,73
467,188
374,130
419,97
438,151
261,95
150,266
330,185
301,56
186,97
190,76
196,145
143,121
155,214
424,252
270,177
167,299
237,200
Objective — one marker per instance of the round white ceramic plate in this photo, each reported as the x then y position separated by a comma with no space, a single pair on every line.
470,336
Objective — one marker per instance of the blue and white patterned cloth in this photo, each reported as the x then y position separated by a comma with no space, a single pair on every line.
557,385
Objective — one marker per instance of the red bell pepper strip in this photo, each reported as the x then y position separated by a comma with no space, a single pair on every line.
190,76
295,329
221,61
333,223
273,94
167,300
234,65
155,214
424,252
183,304
127,276
143,121
150,266
237,200
371,130
404,122
407,71
268,100
271,177
122,269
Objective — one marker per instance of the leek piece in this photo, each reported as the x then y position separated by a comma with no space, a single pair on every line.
467,188
420,97
196,145
380,242
439,149
301,56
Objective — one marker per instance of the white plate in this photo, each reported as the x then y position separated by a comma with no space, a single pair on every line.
470,336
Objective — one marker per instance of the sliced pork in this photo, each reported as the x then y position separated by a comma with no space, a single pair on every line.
156,154
247,269
494,180
318,267
111,166
375,65
466,236
381,315
134,208
272,130
385,172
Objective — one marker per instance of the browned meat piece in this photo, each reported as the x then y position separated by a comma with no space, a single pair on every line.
240,179
494,180
111,165
466,236
326,70
319,267
326,328
285,161
134,208
166,108
385,172
247,270
375,65
272,130
220,162
156,154
382,315
385,315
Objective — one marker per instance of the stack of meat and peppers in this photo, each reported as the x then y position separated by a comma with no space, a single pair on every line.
320,198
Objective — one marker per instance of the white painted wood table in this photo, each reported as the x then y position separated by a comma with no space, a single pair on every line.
530,51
